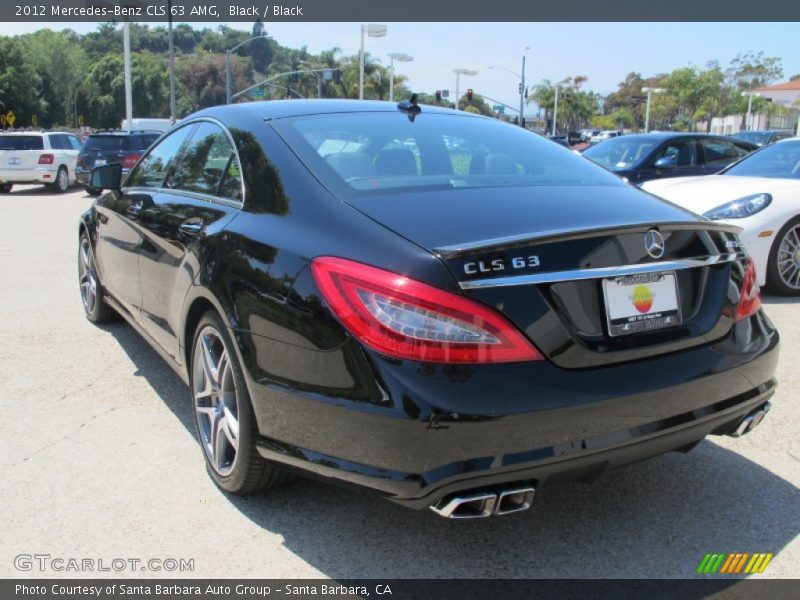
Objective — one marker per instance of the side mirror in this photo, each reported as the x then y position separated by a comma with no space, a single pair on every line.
107,177
666,162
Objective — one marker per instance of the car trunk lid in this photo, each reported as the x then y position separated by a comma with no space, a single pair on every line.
541,257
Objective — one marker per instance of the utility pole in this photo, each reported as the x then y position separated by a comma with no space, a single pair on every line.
171,64
126,43
555,112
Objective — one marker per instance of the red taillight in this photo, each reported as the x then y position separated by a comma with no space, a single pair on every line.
404,318
750,296
79,163
46,159
129,161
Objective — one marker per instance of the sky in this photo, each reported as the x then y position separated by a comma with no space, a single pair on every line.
604,52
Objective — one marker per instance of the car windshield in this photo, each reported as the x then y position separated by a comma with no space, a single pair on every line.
21,142
620,152
367,153
107,142
755,137
780,161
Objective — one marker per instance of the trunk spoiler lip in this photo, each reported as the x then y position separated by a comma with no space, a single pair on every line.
561,235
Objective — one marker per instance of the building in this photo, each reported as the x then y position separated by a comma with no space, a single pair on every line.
786,94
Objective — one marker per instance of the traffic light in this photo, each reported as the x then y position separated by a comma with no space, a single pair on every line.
438,97
469,94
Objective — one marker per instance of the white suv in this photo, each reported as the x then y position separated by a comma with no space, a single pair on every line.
38,157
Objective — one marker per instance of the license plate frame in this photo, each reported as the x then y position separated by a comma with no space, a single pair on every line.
641,303
100,162
15,161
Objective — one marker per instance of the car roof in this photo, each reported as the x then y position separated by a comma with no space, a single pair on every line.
281,109
26,132
666,135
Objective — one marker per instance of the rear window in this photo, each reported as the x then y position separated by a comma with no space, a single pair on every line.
21,142
143,142
107,142
368,153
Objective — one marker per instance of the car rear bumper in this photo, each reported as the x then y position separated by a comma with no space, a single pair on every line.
36,175
441,430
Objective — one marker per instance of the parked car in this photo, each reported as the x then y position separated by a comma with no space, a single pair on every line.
112,146
760,193
586,134
347,294
642,157
561,140
763,137
602,136
38,157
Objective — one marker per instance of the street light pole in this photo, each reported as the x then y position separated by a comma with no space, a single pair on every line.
399,56
650,91
372,30
171,64
522,92
229,66
555,112
459,73
749,121
126,43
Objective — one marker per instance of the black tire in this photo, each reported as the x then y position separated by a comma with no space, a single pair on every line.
6,188
248,471
92,191
61,184
775,282
92,293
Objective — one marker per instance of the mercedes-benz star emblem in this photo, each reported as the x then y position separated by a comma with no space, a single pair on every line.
654,243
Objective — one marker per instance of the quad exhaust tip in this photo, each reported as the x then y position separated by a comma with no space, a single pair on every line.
482,505
751,421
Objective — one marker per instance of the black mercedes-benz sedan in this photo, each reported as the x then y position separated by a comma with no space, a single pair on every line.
438,306
658,155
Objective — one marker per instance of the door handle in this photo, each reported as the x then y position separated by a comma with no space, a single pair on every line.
191,226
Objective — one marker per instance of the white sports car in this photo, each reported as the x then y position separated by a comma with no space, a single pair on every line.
760,193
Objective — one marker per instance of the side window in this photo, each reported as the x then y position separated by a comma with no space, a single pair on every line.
153,168
720,153
208,165
74,142
683,151
56,142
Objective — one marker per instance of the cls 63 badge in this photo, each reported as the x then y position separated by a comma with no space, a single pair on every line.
500,264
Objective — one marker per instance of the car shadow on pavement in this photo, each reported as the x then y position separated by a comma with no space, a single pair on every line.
654,519
39,190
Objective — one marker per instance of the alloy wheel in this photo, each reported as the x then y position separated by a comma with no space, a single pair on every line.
789,258
62,179
87,277
215,401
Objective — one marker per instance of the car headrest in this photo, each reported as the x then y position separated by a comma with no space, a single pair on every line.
396,161
350,165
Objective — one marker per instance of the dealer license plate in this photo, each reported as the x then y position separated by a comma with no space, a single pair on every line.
638,303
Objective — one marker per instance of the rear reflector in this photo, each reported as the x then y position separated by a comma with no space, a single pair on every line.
750,297
408,319
46,159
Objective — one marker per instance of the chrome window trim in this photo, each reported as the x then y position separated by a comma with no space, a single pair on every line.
600,272
187,194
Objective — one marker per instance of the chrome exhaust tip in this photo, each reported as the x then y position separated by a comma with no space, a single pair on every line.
516,500
751,421
475,506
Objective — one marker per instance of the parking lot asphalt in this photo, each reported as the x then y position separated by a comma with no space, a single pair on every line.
100,462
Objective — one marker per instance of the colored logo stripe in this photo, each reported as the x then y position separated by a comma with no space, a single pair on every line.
733,563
